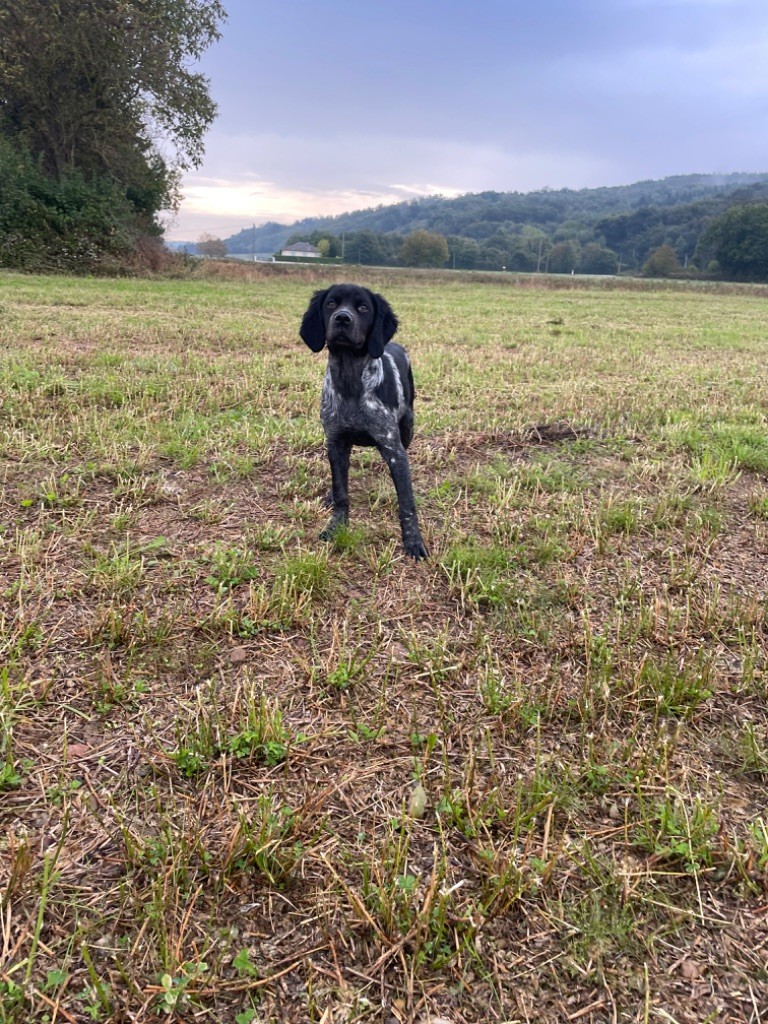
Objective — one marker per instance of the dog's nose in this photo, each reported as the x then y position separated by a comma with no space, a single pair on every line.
342,317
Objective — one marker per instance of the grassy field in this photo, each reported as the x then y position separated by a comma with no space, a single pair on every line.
246,776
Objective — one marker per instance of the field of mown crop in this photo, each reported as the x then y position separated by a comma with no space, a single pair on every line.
246,776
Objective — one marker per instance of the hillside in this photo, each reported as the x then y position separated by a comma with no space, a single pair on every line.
490,228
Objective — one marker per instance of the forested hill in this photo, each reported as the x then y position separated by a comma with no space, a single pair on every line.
630,219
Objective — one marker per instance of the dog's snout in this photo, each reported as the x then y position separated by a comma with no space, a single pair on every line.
342,317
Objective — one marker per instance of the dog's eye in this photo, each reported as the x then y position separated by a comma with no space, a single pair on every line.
331,303
362,308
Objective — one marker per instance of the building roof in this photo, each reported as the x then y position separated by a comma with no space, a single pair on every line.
300,247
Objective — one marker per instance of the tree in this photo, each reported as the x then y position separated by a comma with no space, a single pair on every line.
463,252
101,89
536,243
662,262
739,238
596,259
425,249
520,260
363,247
563,257
211,246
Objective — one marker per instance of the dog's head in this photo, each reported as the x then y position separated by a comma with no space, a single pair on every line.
346,316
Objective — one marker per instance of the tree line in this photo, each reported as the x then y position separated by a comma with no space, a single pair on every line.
675,226
733,244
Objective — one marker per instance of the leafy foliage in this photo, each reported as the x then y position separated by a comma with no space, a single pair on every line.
597,259
425,249
88,89
563,258
662,262
740,240
48,223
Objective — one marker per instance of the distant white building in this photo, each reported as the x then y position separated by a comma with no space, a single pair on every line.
301,249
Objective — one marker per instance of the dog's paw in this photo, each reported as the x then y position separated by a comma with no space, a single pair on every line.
416,549
335,524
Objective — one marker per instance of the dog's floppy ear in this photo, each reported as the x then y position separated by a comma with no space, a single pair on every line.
312,328
383,329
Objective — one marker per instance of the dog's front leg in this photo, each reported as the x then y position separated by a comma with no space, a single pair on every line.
397,460
339,452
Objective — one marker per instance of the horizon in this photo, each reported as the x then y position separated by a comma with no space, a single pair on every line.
427,100
310,218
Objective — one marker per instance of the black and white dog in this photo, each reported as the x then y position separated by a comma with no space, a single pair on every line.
367,395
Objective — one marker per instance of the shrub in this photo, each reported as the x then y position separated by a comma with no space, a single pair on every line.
662,262
69,224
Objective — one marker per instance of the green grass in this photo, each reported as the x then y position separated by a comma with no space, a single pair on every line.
248,775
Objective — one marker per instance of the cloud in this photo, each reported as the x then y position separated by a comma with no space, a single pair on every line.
226,204
490,97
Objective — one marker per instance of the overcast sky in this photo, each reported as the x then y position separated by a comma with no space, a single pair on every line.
333,105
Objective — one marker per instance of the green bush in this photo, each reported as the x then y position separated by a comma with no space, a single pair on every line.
67,224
